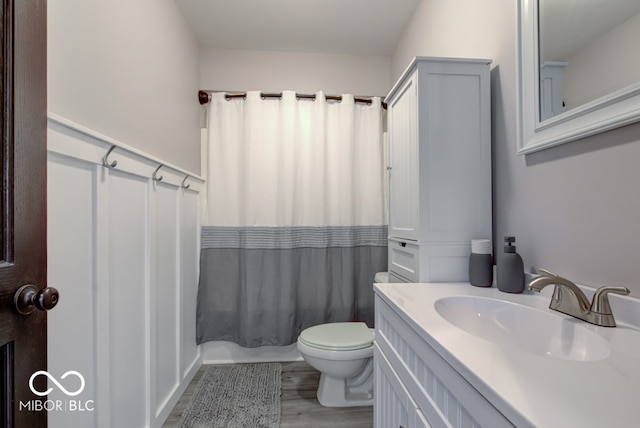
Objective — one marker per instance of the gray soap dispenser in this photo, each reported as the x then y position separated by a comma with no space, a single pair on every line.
510,268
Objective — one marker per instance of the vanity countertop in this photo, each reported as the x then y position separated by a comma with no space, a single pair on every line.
529,389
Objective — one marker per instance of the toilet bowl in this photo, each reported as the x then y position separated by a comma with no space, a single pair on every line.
343,354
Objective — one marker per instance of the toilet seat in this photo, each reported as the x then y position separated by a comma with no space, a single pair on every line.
340,336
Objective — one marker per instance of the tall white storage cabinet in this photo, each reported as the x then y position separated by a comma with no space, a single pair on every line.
439,124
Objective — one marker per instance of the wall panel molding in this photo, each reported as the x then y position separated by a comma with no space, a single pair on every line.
71,139
123,251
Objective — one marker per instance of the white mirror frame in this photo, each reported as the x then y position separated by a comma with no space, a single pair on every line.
611,111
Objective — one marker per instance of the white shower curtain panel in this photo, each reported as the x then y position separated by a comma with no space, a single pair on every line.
288,162
295,227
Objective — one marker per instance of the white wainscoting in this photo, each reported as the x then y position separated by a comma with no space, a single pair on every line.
123,250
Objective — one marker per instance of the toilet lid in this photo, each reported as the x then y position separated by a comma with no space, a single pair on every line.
343,336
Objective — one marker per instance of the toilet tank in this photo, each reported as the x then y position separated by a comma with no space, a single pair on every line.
381,277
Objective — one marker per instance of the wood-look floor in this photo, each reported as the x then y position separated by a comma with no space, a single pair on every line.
299,405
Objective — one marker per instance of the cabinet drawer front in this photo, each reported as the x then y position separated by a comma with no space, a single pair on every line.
441,262
442,394
404,260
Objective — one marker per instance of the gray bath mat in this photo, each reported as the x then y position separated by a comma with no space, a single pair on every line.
236,395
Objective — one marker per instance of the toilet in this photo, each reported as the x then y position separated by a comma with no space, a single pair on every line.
343,354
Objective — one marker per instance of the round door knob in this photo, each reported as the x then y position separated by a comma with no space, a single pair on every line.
28,298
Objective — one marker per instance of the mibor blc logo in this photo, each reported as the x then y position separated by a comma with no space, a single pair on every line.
68,405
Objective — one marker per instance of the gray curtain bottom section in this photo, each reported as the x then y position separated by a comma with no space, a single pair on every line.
266,296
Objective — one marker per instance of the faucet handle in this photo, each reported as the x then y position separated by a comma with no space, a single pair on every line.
600,303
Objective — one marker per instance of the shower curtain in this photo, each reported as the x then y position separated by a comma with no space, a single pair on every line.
295,228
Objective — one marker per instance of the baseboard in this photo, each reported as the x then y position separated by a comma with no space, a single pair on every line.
168,406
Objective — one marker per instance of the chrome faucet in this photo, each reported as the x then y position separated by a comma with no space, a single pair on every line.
569,299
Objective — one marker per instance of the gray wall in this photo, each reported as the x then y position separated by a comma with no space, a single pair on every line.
574,209
128,70
614,55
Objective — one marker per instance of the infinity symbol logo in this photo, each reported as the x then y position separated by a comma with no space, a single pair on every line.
53,379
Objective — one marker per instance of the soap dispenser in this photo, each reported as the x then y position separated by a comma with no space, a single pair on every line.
480,263
510,268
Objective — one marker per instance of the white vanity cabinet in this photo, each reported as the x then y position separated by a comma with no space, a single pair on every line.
439,127
400,411
415,387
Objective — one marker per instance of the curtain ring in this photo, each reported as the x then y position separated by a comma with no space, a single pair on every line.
185,186
155,174
105,158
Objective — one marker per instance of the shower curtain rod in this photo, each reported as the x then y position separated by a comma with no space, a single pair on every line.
204,97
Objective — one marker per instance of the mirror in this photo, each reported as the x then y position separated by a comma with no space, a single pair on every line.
578,69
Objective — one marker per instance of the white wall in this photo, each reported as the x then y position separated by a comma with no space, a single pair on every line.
129,70
122,248
245,70
574,208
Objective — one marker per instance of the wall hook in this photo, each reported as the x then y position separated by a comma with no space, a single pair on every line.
155,174
185,186
105,158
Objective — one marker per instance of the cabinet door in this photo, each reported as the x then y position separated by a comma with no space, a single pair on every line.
421,420
393,407
403,160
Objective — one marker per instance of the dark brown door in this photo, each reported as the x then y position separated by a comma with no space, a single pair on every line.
23,234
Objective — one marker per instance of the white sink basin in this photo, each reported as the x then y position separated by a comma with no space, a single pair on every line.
530,329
